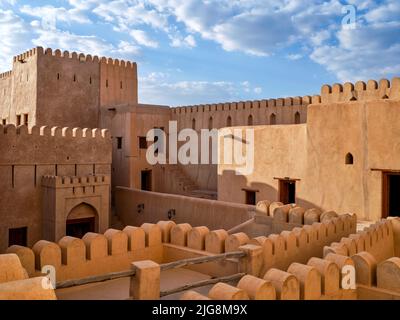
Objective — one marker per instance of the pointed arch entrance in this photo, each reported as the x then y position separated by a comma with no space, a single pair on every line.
82,219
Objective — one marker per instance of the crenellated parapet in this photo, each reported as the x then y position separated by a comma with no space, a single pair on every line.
245,105
278,250
94,254
68,181
5,75
361,91
27,54
11,129
80,57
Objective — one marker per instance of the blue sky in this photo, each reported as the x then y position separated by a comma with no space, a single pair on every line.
204,51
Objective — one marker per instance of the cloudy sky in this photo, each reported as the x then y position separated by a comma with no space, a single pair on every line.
202,51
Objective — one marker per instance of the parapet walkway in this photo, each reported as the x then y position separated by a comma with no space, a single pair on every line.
119,289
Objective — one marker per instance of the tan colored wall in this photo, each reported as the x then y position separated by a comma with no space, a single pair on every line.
27,156
65,89
205,176
5,94
118,82
315,153
21,89
198,212
61,195
131,122
94,254
279,151
65,102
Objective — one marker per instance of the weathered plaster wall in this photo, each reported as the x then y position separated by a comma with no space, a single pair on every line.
198,212
315,152
27,156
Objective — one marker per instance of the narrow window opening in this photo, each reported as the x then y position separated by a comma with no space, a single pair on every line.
120,84
106,83
18,120
26,120
349,159
142,143
297,118
58,76
119,142
74,78
229,122
194,124
12,176
250,120
210,123
272,119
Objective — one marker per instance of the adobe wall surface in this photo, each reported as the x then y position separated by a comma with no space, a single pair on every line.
315,153
65,88
21,89
27,156
198,212
279,151
5,94
117,82
130,123
68,89
62,195
94,254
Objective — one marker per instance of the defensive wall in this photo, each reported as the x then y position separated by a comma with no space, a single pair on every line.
44,151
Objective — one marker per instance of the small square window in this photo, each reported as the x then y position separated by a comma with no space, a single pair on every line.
142,143
250,197
18,236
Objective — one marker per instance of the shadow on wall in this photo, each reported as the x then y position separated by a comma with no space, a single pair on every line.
237,189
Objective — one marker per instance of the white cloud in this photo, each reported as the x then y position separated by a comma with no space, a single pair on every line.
141,38
178,41
58,14
15,37
257,90
294,56
157,88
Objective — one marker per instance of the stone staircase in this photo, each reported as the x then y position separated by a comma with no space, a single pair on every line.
181,182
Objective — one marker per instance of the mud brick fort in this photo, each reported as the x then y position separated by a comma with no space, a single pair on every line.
78,195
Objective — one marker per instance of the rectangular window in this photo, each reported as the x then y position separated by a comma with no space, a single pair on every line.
142,143
26,119
119,142
250,197
18,120
146,180
287,191
18,236
4,122
391,199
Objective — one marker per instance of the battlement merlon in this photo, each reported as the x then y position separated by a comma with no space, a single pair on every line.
246,105
361,91
74,181
371,90
11,129
40,51
6,74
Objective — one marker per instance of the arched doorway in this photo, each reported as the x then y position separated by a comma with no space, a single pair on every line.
82,219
